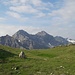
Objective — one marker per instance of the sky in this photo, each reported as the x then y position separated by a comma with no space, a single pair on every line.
56,17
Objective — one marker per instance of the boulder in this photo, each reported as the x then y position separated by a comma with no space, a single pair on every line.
22,55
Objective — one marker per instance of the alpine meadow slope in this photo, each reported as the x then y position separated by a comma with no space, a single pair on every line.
54,61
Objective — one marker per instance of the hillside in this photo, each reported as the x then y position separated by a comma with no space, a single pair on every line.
55,61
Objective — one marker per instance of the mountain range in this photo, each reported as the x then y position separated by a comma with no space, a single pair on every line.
41,40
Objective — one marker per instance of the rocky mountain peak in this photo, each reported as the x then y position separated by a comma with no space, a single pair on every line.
22,39
42,33
7,36
21,35
22,32
61,39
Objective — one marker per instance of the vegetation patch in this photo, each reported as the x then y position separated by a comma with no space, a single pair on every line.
47,55
4,55
55,61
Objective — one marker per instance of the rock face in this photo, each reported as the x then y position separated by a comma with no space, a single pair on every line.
47,39
22,55
9,41
21,35
37,41
41,40
61,40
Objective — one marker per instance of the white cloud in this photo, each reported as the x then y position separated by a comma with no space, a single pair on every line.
40,15
36,3
2,19
29,6
24,9
13,14
16,15
55,31
29,10
11,2
59,20
66,13
11,29
40,3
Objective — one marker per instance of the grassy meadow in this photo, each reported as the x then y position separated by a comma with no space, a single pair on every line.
55,61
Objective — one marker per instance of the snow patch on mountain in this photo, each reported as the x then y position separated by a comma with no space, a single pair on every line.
71,41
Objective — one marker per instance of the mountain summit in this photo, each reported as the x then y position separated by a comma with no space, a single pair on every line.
21,35
42,33
22,39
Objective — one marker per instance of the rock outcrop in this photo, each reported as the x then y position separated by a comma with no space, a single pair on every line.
22,55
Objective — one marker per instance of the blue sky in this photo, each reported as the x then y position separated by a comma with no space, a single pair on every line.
57,17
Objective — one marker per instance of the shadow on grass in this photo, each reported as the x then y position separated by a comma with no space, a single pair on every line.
4,55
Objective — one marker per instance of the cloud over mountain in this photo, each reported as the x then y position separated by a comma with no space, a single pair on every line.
55,16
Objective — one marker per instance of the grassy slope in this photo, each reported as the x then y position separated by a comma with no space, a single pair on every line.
56,61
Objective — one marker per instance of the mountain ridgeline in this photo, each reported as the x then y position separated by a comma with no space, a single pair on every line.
41,40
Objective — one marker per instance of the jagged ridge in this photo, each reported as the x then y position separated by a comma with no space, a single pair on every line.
22,39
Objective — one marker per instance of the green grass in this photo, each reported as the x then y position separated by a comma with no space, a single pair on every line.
55,61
